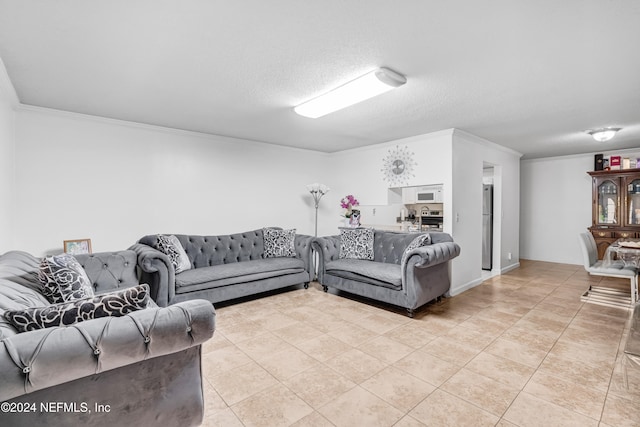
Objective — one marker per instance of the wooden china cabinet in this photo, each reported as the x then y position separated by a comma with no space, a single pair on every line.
615,206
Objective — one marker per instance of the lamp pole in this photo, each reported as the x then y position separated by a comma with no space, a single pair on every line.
317,191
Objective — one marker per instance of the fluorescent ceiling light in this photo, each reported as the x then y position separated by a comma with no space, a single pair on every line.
604,134
371,84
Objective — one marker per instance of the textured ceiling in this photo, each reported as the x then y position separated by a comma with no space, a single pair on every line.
527,75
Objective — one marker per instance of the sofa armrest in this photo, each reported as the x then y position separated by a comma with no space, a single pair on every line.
157,271
303,244
430,255
44,358
328,249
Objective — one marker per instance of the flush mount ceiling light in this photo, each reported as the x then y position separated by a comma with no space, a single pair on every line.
371,84
603,134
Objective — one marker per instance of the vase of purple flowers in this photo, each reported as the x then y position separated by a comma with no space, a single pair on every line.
348,203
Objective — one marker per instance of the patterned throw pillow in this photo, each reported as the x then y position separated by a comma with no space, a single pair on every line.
171,246
115,304
279,243
356,243
64,279
421,240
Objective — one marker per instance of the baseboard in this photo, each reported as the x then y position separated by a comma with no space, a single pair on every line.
510,267
465,287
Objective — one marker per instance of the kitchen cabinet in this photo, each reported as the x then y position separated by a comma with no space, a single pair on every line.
409,195
615,206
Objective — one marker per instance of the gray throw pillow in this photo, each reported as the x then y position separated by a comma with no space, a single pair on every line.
356,243
171,246
64,279
279,243
114,304
421,240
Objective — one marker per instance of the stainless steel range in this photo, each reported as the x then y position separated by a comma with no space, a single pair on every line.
430,219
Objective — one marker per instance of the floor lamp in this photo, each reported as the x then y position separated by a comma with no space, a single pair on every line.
317,191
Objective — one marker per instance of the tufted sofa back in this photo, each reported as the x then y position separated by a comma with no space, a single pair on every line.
388,246
20,287
205,251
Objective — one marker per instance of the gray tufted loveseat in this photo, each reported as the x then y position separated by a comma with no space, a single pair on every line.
408,282
140,369
222,267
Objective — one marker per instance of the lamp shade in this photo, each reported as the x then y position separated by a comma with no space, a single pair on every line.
603,134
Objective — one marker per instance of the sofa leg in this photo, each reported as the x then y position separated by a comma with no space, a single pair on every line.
325,288
410,312
306,285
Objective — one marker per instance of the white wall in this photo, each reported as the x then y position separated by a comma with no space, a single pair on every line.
8,101
113,182
556,206
358,172
470,155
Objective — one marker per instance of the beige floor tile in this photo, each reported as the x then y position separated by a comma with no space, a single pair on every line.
318,385
217,342
238,332
530,337
225,418
212,401
297,333
428,368
450,350
287,363
568,394
411,334
358,407
263,346
324,347
275,406
381,324
603,358
488,394
356,365
518,352
239,383
577,372
505,423
529,411
276,320
444,409
408,421
400,389
385,349
621,412
315,419
353,335
503,370
222,360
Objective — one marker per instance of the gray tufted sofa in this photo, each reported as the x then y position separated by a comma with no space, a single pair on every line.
423,276
143,368
223,267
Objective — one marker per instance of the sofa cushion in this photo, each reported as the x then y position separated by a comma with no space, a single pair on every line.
356,243
64,279
171,246
236,272
377,273
113,304
279,243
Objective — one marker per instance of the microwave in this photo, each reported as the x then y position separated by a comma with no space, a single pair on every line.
429,195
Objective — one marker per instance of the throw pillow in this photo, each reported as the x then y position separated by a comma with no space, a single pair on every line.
114,304
171,246
421,240
356,243
64,279
279,243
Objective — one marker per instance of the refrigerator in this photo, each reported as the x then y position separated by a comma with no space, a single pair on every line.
487,226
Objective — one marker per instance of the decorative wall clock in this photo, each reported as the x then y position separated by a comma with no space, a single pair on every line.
398,166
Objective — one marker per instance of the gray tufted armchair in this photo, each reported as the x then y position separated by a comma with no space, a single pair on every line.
140,369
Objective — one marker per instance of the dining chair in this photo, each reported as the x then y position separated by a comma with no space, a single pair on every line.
601,294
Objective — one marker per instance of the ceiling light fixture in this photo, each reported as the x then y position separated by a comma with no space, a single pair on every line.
371,84
603,134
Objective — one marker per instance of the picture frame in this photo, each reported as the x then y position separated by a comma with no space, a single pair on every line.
77,246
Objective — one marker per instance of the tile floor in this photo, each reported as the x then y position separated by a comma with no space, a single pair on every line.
518,350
